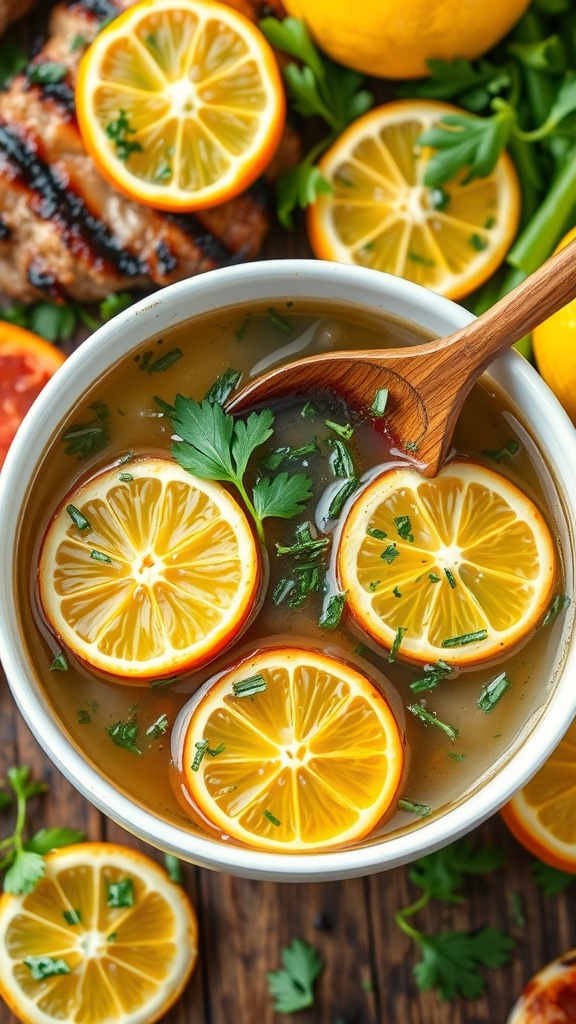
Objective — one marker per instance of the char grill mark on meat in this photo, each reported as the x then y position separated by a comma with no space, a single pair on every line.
66,233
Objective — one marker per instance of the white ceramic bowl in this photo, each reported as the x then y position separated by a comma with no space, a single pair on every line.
273,281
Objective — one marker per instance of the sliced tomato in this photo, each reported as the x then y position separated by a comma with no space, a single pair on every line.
26,363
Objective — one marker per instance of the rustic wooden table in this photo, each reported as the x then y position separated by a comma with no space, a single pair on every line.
368,975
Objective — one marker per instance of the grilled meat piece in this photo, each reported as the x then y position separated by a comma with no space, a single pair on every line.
11,10
64,231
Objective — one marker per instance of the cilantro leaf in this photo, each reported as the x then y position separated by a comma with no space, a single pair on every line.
292,986
441,874
451,961
472,84
299,187
551,880
41,967
206,432
47,839
26,869
283,496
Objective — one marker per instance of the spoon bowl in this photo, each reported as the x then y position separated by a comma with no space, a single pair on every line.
426,384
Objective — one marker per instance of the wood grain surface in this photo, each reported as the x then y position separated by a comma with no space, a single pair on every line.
368,975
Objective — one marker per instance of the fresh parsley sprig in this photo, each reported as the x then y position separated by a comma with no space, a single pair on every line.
452,961
317,87
215,446
293,986
57,322
21,859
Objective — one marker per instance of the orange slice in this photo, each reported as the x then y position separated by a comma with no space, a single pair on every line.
180,103
542,815
26,363
381,215
148,572
464,564
104,937
292,750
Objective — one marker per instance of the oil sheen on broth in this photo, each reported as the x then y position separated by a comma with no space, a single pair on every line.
440,772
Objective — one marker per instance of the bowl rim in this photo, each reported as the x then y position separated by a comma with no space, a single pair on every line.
228,287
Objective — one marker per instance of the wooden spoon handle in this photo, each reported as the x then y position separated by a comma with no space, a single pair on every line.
546,291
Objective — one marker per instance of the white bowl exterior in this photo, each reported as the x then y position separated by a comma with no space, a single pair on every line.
263,281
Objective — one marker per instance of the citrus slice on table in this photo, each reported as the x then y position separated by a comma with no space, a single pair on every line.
542,815
26,364
148,571
105,936
460,567
293,751
550,995
380,214
180,103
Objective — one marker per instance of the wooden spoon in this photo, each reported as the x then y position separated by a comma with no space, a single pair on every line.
427,384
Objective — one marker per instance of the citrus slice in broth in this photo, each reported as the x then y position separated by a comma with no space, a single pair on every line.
104,936
464,564
380,214
542,815
293,751
180,103
148,572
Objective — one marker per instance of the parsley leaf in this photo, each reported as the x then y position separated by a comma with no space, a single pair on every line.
451,961
26,869
441,874
282,496
87,438
125,734
551,880
293,986
48,72
12,60
47,839
465,141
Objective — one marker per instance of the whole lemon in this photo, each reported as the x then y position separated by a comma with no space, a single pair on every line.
394,38
554,346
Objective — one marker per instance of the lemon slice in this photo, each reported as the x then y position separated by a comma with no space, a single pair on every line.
180,103
104,937
150,572
292,750
381,215
542,815
464,564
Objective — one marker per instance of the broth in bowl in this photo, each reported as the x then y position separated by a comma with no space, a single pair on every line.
459,718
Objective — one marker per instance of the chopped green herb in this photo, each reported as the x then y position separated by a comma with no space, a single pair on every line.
162,363
282,590
60,663
72,917
112,937
83,717
341,461
118,131
396,644
276,457
201,749
99,556
345,431
223,386
396,592
163,173
173,868
308,410
279,322
362,650
429,719
377,534
390,553
558,604
438,198
489,223
507,450
300,547
49,72
158,728
433,577
13,59
404,528
422,810
341,497
477,242
450,578
78,518
517,908
240,331
271,818
411,446
120,893
332,613
378,407
433,675
374,584
416,257
493,691
250,686
41,967
157,684
126,478
125,734
455,756
466,638
126,458
77,43
84,439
